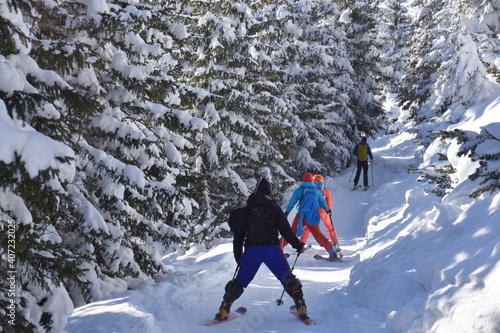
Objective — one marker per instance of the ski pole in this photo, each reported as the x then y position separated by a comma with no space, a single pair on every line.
371,164
331,221
235,272
280,300
352,173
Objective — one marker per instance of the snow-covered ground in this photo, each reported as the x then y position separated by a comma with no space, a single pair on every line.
419,263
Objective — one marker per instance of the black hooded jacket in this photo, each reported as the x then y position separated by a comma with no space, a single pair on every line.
238,222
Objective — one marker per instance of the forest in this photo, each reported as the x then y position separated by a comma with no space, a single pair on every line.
130,127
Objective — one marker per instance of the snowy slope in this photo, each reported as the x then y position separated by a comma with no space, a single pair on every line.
420,263
193,291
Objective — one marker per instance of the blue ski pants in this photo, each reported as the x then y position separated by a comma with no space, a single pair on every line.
271,255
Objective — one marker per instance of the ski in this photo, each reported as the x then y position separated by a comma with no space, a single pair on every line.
234,314
308,321
287,255
317,256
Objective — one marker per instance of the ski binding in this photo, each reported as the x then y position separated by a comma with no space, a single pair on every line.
234,314
308,321
318,257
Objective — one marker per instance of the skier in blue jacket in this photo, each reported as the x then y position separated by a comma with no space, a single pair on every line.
310,200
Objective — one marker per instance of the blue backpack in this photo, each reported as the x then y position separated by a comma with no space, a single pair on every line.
309,200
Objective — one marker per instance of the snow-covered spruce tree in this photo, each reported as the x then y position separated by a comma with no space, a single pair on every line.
446,68
136,183
231,65
457,73
393,36
36,166
317,76
461,76
127,184
363,54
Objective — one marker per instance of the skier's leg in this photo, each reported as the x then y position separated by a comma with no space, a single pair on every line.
249,265
295,222
320,238
274,259
358,174
365,173
233,292
294,289
329,227
280,268
305,236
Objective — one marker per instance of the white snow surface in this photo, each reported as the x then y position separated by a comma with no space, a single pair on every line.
419,263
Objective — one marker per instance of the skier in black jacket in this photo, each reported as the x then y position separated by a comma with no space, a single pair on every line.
261,247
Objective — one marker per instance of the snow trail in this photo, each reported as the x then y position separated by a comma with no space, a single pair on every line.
192,292
409,272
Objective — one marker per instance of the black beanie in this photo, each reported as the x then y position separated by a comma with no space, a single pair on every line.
263,186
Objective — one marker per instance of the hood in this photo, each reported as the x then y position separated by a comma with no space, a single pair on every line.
258,199
308,184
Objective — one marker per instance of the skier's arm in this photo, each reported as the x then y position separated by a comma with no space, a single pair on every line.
328,199
238,225
293,200
322,202
370,153
238,248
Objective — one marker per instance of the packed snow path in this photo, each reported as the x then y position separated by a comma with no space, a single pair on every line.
409,269
194,289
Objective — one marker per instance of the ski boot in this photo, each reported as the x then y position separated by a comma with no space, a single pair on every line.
233,292
294,289
301,308
333,256
338,250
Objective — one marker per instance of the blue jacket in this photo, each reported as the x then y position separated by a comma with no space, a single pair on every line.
312,219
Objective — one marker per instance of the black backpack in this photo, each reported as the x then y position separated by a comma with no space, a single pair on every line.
260,228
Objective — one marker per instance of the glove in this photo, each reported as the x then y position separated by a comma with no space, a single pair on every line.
237,258
238,254
329,212
302,248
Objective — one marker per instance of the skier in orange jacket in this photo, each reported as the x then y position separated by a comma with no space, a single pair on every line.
325,217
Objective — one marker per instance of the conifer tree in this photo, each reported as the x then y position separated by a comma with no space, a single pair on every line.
393,34
445,76
317,75
232,65
363,50
36,166
95,214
